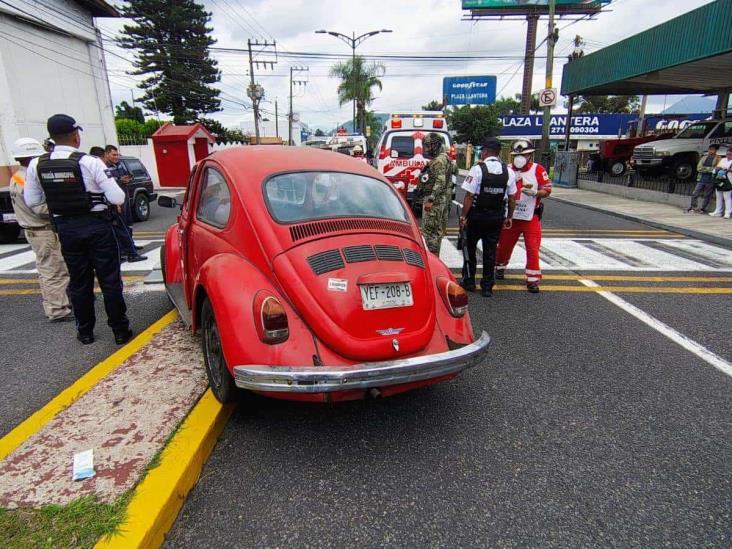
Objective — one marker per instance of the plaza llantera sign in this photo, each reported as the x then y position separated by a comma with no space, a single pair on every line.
469,90
583,125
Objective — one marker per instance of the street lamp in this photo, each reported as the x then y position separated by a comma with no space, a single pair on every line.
353,41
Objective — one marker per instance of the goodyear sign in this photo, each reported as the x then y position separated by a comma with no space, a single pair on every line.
469,90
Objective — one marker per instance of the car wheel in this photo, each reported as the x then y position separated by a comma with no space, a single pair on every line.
617,168
684,170
9,233
141,207
219,379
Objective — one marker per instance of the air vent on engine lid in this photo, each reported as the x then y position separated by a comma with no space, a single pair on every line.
325,262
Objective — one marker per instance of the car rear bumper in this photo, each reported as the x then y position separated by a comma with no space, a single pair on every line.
323,379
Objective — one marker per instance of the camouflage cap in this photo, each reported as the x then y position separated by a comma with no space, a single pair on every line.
432,140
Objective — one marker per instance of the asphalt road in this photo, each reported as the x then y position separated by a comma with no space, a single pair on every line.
585,427
39,359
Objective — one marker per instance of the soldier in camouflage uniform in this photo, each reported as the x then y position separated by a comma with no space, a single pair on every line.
437,192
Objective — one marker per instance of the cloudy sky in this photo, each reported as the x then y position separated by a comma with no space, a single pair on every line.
424,27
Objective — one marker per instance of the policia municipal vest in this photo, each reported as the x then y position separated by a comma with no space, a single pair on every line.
492,196
63,185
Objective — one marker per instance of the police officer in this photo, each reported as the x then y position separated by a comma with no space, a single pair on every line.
487,188
53,278
79,193
437,192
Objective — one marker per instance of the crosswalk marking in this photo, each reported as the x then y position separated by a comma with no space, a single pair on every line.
557,254
613,254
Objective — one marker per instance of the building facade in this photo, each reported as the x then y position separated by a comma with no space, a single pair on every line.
52,61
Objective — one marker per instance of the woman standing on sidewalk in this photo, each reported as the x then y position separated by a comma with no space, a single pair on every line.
723,186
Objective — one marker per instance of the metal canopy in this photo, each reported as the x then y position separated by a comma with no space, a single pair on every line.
689,54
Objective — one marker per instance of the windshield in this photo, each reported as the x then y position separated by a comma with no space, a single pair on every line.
294,197
696,131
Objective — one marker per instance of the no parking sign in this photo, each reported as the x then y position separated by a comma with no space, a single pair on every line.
548,97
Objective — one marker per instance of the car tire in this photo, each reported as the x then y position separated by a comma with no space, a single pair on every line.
141,207
219,379
684,169
162,262
617,168
9,233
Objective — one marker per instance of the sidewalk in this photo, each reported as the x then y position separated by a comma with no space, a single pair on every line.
662,216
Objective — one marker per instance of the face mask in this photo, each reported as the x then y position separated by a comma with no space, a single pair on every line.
520,161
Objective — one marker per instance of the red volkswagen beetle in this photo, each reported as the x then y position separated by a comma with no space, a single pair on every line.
308,279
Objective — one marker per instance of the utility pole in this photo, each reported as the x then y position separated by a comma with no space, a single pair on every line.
255,92
533,22
576,54
551,39
641,116
294,71
277,121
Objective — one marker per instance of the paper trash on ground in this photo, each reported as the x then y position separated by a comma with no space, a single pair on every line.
83,465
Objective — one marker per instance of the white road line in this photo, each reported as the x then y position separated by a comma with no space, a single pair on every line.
680,339
152,262
17,260
7,248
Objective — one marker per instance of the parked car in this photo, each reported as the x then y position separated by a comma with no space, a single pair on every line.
680,154
615,154
9,228
140,191
308,279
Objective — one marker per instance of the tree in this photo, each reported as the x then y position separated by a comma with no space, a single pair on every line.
474,124
124,110
130,132
607,104
171,41
433,106
509,105
357,83
222,134
319,133
376,128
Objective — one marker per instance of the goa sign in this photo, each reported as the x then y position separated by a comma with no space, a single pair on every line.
469,90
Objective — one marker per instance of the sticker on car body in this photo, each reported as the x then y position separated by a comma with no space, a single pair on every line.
337,285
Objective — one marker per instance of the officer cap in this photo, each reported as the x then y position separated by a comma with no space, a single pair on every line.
492,144
61,124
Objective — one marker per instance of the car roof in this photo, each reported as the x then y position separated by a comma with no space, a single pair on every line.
248,166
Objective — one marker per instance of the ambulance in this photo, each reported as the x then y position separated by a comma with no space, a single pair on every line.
401,156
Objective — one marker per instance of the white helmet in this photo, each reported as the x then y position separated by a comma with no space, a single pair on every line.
27,147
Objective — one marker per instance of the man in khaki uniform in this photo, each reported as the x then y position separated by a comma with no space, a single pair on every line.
52,274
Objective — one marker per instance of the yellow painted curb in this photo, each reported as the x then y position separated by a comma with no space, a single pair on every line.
159,497
71,394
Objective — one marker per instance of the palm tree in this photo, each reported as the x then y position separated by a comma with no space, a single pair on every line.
357,82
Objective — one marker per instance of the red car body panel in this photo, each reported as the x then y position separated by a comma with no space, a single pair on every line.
254,253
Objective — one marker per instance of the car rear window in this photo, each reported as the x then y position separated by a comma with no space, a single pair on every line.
305,196
136,168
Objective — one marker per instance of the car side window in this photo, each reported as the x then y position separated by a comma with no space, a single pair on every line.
214,203
136,168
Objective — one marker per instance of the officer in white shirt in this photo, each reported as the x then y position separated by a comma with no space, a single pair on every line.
79,191
489,187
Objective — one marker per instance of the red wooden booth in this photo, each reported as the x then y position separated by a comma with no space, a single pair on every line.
177,149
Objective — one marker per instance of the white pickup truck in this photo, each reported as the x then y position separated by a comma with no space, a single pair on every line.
680,154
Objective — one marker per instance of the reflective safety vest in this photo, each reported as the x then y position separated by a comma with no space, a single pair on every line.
492,195
63,185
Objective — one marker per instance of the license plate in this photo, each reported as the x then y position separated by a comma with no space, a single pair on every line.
7,218
386,296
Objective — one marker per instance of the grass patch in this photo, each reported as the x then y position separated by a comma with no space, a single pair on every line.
81,523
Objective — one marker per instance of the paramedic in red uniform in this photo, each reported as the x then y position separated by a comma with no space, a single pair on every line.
533,184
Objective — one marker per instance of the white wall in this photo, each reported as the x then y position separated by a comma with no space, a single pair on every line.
47,73
146,154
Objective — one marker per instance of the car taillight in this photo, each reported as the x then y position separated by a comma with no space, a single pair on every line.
453,153
438,123
272,326
396,123
454,297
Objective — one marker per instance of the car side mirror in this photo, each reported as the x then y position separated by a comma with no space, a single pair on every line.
167,202
394,154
